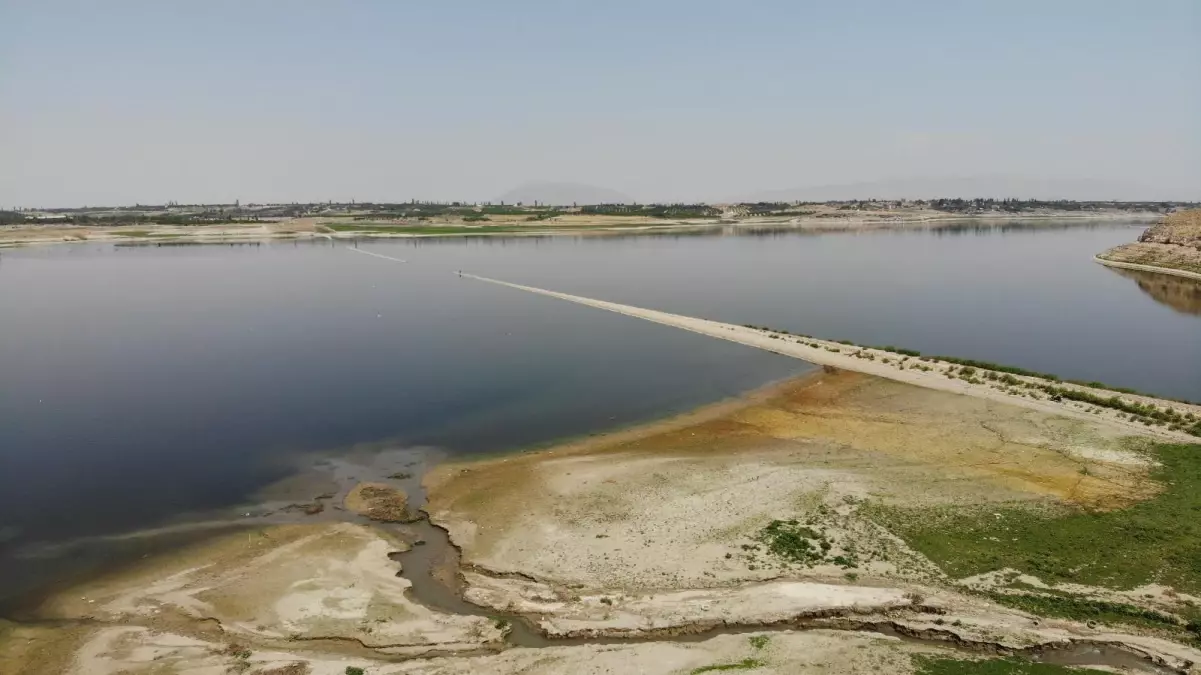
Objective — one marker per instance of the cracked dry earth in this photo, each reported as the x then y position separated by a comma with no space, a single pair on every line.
637,552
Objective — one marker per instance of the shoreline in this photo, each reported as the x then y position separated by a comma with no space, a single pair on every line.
1148,268
1172,245
154,236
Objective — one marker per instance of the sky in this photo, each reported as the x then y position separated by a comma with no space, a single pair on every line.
120,101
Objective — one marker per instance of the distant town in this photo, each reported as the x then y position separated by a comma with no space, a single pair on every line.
173,213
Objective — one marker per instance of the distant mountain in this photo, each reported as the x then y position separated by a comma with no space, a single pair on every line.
998,187
563,194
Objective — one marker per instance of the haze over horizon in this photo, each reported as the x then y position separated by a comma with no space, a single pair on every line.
126,102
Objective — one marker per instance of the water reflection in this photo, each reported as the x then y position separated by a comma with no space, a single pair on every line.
1179,293
760,230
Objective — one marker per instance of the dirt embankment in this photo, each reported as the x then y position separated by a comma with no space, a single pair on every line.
1172,246
1134,413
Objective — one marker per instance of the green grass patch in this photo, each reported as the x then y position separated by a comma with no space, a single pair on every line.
897,350
794,542
987,365
1158,540
925,664
745,664
1086,609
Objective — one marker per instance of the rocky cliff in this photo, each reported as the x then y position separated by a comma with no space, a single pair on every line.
1182,228
1172,246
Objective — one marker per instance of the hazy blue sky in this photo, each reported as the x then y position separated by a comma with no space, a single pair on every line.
116,102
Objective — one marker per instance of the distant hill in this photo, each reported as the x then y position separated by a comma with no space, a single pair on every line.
563,194
998,187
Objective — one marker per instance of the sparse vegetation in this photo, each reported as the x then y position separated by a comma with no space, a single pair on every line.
1087,609
794,542
1003,378
941,665
759,641
652,210
382,228
745,664
238,651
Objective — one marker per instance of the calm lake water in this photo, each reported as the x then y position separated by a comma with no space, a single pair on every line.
141,384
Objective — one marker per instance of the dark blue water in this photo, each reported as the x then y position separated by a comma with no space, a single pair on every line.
139,384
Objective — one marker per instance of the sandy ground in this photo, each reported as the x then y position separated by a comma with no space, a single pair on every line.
138,651
295,582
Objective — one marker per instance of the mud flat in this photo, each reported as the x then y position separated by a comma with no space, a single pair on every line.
295,582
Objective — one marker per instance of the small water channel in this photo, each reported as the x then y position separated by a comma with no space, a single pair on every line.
432,566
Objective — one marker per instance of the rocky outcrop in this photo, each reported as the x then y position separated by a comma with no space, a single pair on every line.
379,502
1182,228
1172,246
